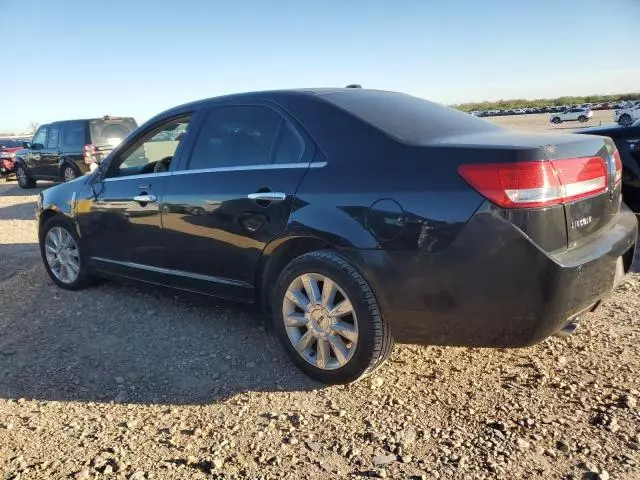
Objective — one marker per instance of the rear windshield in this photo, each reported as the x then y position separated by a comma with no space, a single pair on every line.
409,119
111,131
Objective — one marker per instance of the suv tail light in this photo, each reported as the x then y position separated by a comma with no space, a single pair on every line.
88,153
537,184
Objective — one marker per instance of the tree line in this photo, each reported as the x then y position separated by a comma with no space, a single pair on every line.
543,102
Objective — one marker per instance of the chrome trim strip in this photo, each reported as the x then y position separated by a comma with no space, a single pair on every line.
264,166
141,175
179,273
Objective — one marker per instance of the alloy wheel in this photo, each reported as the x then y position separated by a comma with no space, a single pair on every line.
21,174
62,254
320,321
69,174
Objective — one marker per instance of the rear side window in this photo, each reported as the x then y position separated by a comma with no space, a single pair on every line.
409,119
73,134
52,138
111,131
290,146
235,136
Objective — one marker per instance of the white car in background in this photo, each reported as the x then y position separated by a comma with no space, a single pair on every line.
577,114
626,116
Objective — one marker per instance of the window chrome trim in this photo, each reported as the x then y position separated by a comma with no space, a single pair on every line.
264,166
140,175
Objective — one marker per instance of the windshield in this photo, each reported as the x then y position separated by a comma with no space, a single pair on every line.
111,131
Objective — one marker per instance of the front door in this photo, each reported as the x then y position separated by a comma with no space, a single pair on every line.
231,197
33,157
119,216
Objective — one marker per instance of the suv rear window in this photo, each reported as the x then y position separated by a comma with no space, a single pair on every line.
111,131
408,119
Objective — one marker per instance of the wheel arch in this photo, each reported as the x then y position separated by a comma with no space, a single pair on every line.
64,161
277,255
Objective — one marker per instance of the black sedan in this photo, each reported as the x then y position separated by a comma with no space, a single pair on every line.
627,140
356,218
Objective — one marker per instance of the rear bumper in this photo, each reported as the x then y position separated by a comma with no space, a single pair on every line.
493,287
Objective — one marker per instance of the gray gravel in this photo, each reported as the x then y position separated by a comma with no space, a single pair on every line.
123,381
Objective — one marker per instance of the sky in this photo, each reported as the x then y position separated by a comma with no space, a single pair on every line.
65,59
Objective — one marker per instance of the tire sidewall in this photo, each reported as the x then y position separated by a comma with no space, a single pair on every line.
18,176
625,120
83,276
361,360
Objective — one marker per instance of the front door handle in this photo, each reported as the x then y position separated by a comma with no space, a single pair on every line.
144,198
268,196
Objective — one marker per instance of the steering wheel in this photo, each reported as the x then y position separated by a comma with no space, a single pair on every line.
162,165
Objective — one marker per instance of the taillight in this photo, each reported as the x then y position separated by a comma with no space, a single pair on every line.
537,184
88,153
618,163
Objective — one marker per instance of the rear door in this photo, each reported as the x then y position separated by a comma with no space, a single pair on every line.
232,196
50,155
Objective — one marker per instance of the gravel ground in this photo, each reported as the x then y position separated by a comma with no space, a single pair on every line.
123,381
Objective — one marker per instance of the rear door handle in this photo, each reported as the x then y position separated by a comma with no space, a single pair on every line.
268,196
144,198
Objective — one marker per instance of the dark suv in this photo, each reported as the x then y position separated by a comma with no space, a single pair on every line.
65,150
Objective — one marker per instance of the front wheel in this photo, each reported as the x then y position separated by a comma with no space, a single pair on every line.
24,179
328,319
60,248
625,120
556,120
582,119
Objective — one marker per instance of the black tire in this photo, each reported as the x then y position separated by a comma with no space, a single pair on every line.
556,120
24,179
625,120
375,342
582,119
71,170
84,278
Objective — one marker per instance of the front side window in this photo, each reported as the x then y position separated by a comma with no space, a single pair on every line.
153,153
52,138
235,136
39,139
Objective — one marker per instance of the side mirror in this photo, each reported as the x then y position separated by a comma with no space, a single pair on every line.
26,144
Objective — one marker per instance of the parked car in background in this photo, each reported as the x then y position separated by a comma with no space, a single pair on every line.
8,149
66,149
577,114
627,140
627,115
352,242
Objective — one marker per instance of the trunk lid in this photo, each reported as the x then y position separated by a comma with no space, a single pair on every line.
586,217
583,218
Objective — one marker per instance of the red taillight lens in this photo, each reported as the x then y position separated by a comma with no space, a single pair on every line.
537,184
88,152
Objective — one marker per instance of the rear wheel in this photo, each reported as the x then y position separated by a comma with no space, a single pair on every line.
625,120
23,177
328,319
69,173
556,120
582,119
